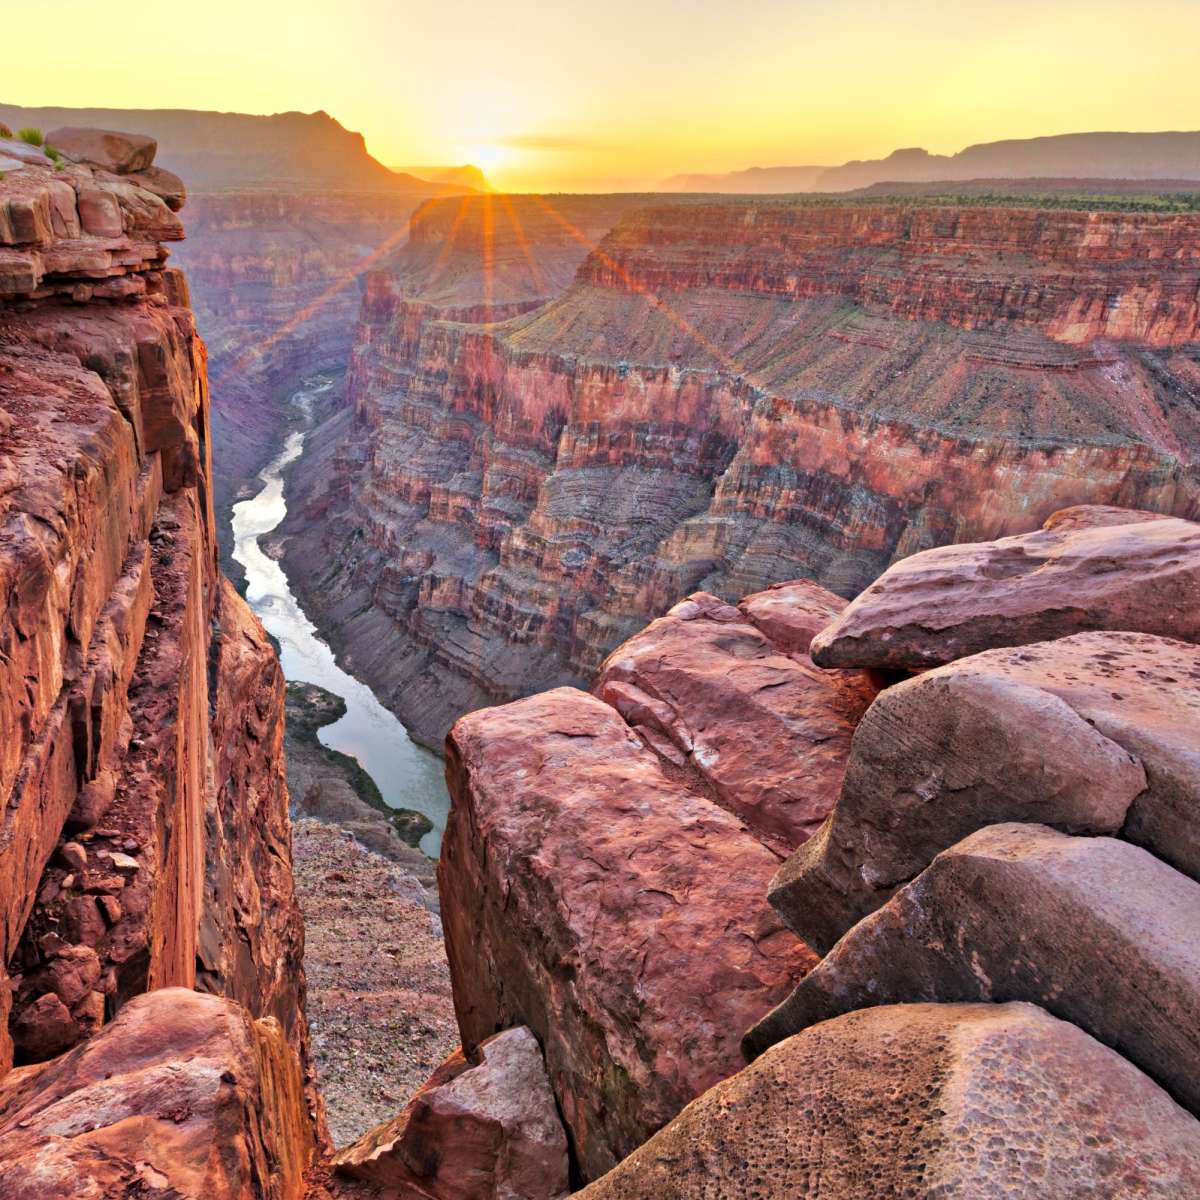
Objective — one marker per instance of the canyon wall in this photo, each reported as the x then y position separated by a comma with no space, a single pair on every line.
725,395
276,288
145,842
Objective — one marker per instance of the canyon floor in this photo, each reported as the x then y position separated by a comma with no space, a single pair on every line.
379,1003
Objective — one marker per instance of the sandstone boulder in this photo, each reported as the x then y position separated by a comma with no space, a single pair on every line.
121,153
792,614
481,1129
182,1095
965,1100
766,730
1096,733
620,916
166,185
1081,571
1098,931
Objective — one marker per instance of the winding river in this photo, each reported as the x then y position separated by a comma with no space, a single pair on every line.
408,776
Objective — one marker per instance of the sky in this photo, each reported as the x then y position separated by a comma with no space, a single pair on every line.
588,95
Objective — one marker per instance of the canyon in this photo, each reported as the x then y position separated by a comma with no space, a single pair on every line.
747,887
720,395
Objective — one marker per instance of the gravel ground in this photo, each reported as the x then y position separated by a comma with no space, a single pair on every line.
379,1001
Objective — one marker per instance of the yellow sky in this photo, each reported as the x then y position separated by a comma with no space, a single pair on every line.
583,94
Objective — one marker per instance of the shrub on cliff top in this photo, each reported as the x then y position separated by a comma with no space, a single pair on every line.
5,132
31,135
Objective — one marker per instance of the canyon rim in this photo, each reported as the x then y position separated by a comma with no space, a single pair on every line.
592,667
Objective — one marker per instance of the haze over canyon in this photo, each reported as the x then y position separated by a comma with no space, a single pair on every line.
675,693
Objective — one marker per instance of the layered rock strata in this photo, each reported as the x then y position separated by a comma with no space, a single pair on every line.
276,283
145,842
728,395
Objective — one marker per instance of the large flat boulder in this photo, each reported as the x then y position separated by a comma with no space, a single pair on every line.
1097,931
765,729
480,1129
1088,568
183,1095
121,153
966,1100
622,917
1097,733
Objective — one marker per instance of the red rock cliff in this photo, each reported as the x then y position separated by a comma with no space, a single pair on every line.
145,839
727,395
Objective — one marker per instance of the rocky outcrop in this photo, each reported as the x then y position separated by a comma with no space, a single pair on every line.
591,950
182,1095
727,395
1021,912
767,733
481,1129
1117,721
934,881
1087,568
924,1099
145,841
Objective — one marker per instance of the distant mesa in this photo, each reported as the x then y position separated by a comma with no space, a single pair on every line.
1143,156
215,151
466,176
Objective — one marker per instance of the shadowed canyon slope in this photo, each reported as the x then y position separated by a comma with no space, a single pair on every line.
726,395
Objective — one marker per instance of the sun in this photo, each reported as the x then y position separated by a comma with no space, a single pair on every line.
487,156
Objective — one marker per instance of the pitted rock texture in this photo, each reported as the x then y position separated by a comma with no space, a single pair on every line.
956,1100
145,839
1097,733
728,395
484,1128
1087,568
767,732
1080,925
182,1095
623,918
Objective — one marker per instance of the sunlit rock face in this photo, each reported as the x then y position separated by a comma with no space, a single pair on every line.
145,841
725,395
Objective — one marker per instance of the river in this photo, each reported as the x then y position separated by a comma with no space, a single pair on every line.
408,775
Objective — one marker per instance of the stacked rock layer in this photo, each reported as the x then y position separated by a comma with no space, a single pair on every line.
145,842
725,395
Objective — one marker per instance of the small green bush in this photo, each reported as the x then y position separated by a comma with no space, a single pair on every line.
53,154
30,135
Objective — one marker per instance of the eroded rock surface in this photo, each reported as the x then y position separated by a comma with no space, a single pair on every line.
622,917
145,842
484,1128
765,730
183,1095
1022,912
1087,568
964,1100
1097,733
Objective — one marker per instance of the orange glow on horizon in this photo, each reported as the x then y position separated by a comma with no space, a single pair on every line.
621,95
